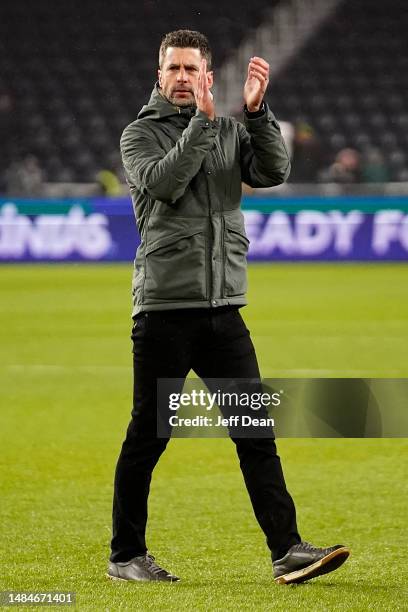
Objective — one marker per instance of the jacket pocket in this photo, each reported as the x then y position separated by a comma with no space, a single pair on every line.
176,268
236,249
137,284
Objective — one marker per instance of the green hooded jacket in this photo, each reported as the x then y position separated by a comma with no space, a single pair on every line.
184,173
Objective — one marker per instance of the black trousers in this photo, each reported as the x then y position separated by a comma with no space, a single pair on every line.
215,344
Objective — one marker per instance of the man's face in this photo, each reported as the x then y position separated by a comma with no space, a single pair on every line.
178,75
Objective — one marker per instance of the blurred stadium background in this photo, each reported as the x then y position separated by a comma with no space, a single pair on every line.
72,76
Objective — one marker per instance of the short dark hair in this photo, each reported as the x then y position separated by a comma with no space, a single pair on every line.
183,39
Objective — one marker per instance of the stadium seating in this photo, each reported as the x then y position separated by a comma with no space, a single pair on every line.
79,71
350,82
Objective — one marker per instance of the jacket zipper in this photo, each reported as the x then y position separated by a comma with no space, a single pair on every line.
145,259
208,272
218,157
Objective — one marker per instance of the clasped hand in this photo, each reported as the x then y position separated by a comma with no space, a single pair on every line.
254,88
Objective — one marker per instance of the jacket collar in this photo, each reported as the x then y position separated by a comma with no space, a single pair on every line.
159,107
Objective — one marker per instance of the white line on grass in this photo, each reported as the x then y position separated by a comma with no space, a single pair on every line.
44,367
278,373
323,373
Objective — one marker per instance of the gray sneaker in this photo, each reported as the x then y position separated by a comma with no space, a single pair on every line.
139,568
304,561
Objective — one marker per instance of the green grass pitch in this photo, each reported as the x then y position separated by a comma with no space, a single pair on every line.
65,394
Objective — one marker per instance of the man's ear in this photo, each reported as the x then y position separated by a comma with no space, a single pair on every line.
159,76
210,79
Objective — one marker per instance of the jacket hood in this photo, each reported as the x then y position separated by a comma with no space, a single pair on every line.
158,107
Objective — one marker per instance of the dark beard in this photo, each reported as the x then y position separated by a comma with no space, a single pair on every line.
177,103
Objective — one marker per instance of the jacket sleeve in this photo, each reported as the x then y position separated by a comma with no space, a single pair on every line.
264,158
165,176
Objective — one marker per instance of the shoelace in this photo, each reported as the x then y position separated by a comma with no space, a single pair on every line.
152,566
307,546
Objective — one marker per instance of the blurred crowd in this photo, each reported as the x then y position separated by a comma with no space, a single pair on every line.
22,175
311,162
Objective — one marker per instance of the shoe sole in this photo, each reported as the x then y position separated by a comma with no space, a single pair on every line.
329,563
125,579
116,578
